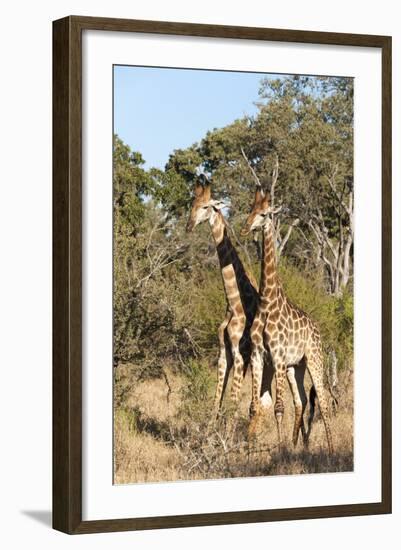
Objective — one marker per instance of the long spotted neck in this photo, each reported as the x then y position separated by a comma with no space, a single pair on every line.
218,227
237,286
269,281
225,250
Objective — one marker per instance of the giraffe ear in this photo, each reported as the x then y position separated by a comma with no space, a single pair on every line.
207,192
259,194
265,200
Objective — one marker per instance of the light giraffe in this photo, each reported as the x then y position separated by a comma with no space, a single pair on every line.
289,334
241,295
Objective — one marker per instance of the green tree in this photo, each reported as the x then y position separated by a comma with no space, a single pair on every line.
303,133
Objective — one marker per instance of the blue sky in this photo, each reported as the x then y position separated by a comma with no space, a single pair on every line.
159,110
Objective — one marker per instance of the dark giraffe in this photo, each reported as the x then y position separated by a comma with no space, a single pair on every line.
240,291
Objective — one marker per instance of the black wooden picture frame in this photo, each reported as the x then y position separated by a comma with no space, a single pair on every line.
67,274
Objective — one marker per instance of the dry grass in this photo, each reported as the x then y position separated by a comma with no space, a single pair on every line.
162,435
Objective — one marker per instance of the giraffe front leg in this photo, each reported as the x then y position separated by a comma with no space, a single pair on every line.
257,374
257,358
256,362
280,368
224,364
266,400
235,331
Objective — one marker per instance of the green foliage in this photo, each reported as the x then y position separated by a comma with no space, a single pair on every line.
126,418
208,314
148,320
171,190
197,391
220,147
333,315
184,162
345,320
131,184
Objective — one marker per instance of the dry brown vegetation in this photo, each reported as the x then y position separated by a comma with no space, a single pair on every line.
163,433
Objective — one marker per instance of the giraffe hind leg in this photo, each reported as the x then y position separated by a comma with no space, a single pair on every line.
266,400
262,377
315,368
312,406
295,376
300,379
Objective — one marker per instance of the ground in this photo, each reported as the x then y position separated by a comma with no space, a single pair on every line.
163,434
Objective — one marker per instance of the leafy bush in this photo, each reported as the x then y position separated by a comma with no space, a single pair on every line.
197,391
333,315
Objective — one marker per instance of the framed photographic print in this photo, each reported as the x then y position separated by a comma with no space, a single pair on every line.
222,274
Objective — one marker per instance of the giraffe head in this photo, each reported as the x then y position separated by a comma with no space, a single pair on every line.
261,211
203,206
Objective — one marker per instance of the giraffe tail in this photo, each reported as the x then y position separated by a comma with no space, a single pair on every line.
312,407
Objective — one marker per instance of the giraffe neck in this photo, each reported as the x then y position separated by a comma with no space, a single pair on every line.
225,250
218,226
269,281
236,281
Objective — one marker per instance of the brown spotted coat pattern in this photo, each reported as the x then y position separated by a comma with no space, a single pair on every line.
291,337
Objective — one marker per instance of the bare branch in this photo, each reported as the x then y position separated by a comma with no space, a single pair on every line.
239,243
158,267
351,213
251,168
196,348
317,232
274,181
284,241
321,238
169,390
345,268
340,198
278,224
323,232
